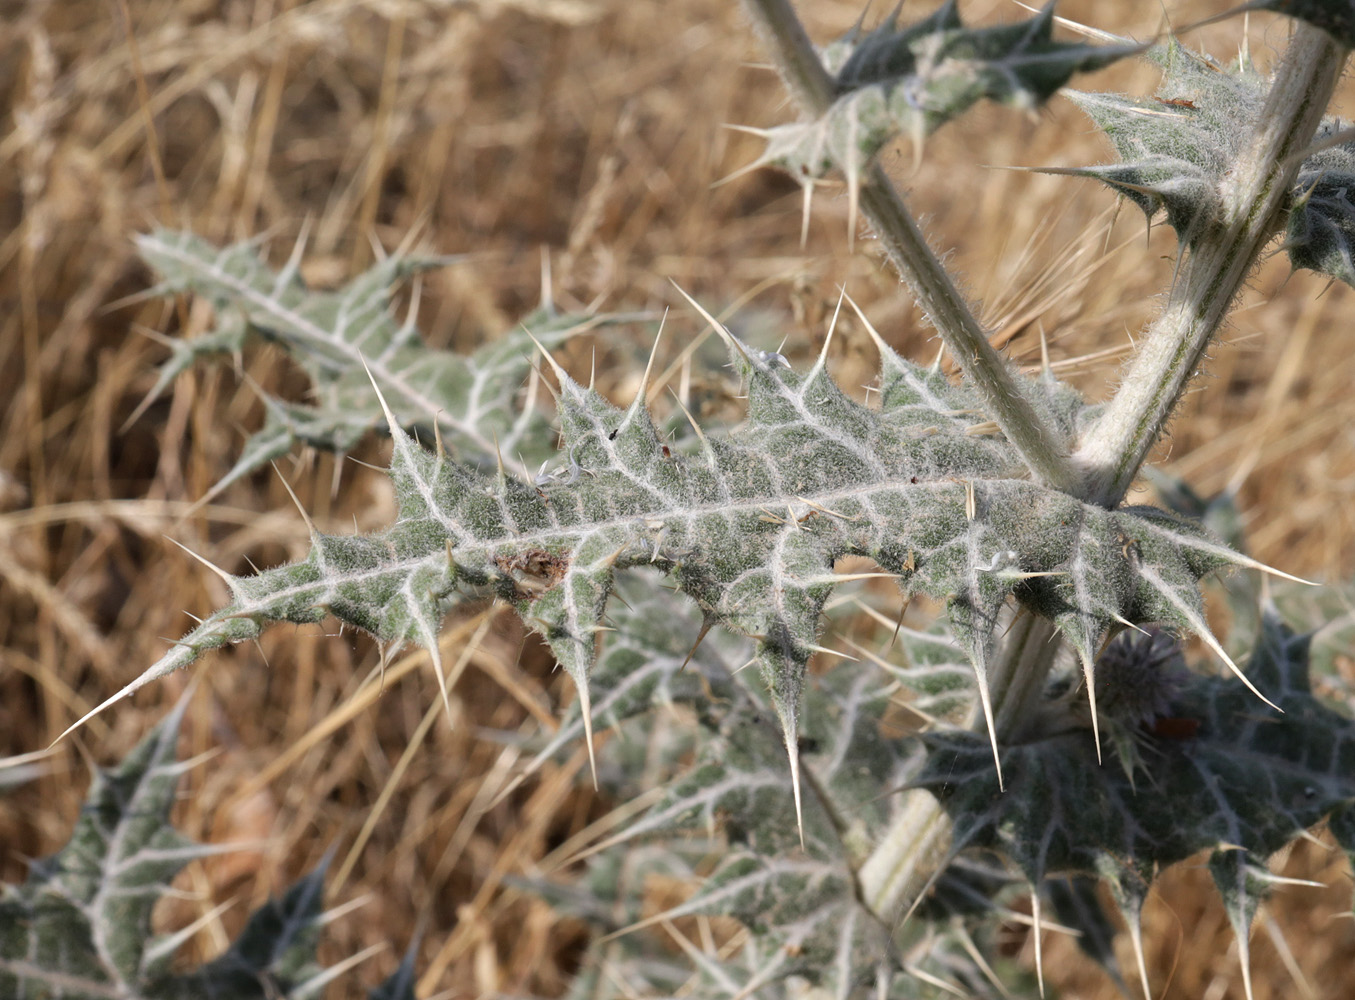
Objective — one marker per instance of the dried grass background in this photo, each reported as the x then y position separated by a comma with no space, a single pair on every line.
592,129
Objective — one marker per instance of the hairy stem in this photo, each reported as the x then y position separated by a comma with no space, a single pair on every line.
1253,201
919,842
907,858
813,89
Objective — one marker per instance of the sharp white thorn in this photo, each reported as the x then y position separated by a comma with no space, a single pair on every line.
761,133
129,689
310,525
640,396
293,265
719,327
411,323
1201,628
1089,674
1249,563
985,699
498,457
229,580
560,373
822,362
586,707
1244,959
1039,950
804,214
1127,623
547,294
440,446
793,751
743,171
879,341
1217,647
435,654
1140,958
381,398
695,426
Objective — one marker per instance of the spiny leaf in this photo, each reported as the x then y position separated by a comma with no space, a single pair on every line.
1233,780
736,790
749,529
803,898
1077,904
1177,149
1320,234
275,950
657,656
1177,146
911,80
80,927
347,339
1241,886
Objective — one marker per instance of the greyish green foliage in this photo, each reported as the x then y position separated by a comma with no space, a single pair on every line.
911,80
1220,776
80,927
346,341
730,805
1175,147
1176,150
749,528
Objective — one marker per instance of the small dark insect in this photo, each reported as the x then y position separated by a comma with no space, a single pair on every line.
913,479
666,452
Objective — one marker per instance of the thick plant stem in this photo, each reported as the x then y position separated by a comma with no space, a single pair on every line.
920,840
917,845
811,86
1253,199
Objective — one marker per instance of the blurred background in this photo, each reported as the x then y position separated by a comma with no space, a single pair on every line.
591,131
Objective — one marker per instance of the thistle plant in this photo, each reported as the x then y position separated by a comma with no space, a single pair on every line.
1065,740
80,927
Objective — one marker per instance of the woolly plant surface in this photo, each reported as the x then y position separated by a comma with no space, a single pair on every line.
910,80
1208,768
722,821
749,526
1176,149
80,927
348,340
1216,774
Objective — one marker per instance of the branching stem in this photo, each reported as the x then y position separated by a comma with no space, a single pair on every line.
811,86
920,842
1254,196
